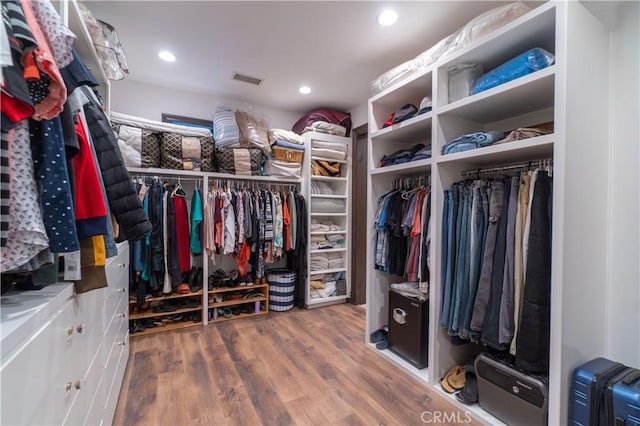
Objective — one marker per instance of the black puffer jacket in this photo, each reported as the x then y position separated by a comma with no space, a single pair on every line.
121,193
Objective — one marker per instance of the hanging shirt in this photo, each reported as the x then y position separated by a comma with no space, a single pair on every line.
229,224
26,235
196,219
50,165
182,232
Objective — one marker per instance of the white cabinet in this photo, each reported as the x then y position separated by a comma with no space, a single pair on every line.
54,368
327,189
579,93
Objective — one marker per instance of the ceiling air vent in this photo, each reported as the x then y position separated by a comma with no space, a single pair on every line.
246,79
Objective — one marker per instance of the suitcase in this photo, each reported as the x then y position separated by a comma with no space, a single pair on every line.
587,387
511,395
622,399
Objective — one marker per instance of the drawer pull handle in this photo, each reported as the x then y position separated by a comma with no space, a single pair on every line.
80,328
121,290
69,331
67,386
77,384
121,343
121,315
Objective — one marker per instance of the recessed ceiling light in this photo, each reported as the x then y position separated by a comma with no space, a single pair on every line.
305,90
387,17
167,56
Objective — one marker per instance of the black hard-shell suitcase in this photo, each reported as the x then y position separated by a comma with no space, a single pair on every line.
587,390
622,399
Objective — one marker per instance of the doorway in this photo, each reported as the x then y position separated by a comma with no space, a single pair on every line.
359,211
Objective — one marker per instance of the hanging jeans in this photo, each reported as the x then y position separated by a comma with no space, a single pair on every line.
461,281
506,327
448,257
492,315
480,217
496,204
533,335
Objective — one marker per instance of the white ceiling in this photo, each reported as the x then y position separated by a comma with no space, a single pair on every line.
336,48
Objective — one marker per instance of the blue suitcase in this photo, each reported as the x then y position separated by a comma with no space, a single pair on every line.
622,399
587,390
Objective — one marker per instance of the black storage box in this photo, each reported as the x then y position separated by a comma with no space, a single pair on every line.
511,395
409,328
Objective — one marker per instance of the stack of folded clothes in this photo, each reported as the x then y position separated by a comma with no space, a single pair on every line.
415,153
525,133
324,226
410,289
324,242
327,285
471,141
287,153
322,188
321,261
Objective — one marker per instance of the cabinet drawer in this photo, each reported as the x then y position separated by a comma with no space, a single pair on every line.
95,413
89,327
115,331
31,372
117,271
113,389
85,389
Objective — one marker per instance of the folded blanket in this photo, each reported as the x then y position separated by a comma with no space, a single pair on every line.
288,145
284,135
328,128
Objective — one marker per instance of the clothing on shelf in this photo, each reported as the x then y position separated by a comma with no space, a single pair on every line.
327,285
496,264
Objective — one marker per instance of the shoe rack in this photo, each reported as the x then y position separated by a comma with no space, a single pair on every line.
165,313
241,301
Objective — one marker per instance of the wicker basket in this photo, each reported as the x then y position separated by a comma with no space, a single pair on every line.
285,154
282,285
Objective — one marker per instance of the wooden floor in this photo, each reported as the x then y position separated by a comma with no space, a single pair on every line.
302,367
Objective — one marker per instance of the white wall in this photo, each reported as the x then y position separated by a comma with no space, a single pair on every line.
150,101
623,322
359,114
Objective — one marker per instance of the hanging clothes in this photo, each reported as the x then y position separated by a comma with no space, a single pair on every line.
196,219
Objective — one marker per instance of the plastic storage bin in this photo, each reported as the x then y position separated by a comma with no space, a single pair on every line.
461,80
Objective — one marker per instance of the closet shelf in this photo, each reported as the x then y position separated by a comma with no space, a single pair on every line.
165,328
327,271
211,175
331,250
540,147
328,232
240,316
329,178
237,302
328,196
404,169
321,300
475,409
144,315
327,214
526,94
398,93
416,128
237,288
332,160
421,375
169,297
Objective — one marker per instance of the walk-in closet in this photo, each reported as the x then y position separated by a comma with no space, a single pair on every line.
196,198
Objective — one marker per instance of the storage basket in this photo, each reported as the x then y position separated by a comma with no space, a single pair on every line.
286,154
282,285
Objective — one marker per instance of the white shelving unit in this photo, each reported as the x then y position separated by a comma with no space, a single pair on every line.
341,191
583,93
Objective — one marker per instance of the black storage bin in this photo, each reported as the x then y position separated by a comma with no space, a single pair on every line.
409,328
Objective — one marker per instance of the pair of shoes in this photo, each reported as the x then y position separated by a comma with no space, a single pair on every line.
454,380
194,278
469,394
225,312
218,278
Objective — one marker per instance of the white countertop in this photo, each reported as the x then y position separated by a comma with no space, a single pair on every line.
22,313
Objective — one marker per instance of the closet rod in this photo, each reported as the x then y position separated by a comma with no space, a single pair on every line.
537,164
166,178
